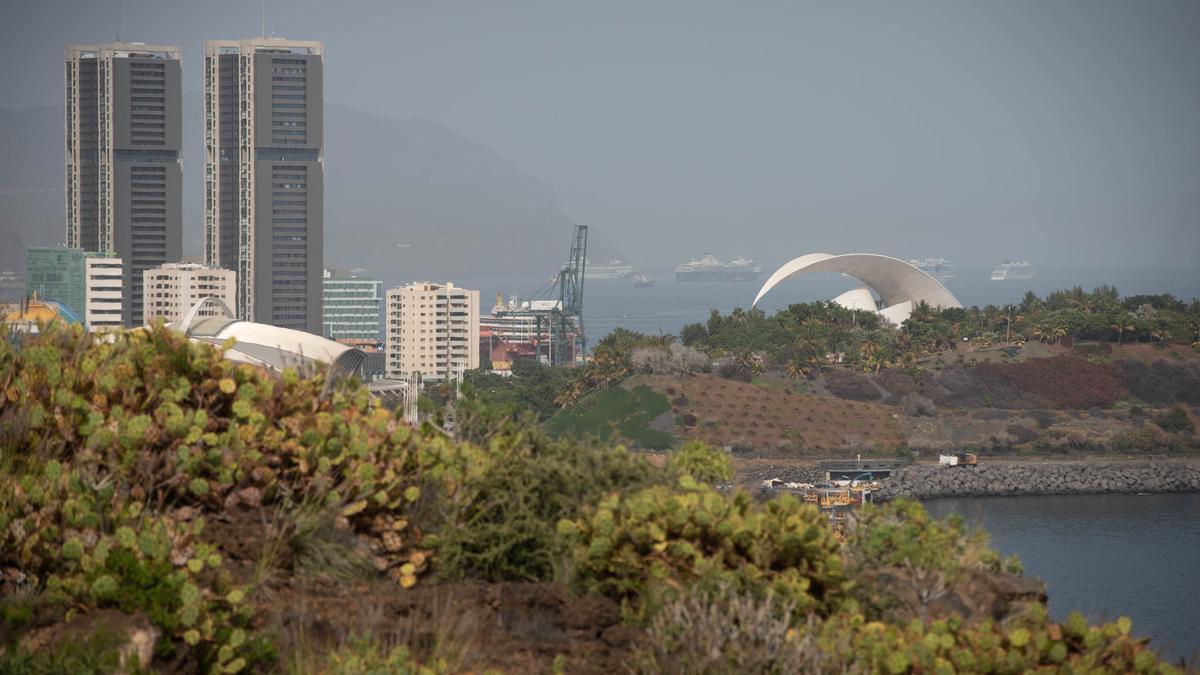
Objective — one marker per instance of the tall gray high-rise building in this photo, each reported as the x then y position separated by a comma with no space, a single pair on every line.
264,177
123,153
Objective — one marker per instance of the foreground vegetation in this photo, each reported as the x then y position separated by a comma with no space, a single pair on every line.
136,473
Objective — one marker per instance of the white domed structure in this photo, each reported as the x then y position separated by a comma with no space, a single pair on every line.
269,346
899,285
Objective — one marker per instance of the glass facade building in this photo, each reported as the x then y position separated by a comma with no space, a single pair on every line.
58,275
351,307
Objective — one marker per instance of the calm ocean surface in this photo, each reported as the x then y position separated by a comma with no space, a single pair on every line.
1106,556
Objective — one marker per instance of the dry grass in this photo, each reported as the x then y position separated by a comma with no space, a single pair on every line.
446,639
727,632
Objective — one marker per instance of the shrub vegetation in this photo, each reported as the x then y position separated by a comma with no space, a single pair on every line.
122,461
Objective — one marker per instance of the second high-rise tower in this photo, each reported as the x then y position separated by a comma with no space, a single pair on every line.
264,175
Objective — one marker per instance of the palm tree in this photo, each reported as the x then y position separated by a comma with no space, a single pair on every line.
1030,301
796,369
922,313
868,350
1121,324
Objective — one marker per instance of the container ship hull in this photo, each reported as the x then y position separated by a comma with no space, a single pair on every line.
717,275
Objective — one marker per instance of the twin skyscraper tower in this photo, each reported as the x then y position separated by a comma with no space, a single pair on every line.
263,167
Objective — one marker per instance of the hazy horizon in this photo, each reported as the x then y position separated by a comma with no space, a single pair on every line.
1060,132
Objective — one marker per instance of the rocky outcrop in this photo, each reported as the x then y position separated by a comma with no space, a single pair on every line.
980,595
1029,478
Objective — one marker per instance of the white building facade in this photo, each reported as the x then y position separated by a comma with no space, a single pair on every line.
432,328
171,290
351,308
104,292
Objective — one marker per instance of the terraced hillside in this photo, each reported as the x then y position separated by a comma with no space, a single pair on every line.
1033,400
779,420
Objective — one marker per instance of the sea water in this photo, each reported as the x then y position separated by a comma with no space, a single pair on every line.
1105,555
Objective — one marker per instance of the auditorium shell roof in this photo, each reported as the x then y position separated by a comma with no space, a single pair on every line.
899,285
270,346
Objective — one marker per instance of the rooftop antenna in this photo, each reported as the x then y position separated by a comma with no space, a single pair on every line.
264,18
121,25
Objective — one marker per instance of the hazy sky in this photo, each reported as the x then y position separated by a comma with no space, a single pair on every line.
1066,131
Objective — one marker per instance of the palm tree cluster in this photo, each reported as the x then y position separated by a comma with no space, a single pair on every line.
804,338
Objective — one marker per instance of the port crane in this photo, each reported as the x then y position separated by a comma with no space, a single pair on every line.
561,322
554,312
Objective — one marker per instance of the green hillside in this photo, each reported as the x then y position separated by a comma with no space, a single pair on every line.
616,414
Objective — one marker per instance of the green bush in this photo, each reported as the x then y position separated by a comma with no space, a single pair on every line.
501,522
638,548
851,644
702,462
1175,421
901,544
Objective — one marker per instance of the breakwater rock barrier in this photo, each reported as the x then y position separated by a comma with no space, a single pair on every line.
1041,478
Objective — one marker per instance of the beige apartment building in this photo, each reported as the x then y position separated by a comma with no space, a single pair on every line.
433,329
172,289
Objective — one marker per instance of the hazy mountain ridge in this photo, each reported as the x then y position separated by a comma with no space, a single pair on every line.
460,206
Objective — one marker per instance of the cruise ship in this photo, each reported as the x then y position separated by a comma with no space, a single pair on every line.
709,268
613,269
937,268
1009,271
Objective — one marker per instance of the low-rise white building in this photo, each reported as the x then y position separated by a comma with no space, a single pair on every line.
432,328
103,291
170,290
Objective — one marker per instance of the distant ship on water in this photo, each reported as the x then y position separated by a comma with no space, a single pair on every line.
613,269
642,280
1009,271
709,268
937,268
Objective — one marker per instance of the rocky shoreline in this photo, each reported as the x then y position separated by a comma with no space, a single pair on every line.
1027,478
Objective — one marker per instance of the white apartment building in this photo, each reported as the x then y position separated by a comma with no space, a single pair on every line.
104,292
432,328
170,290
